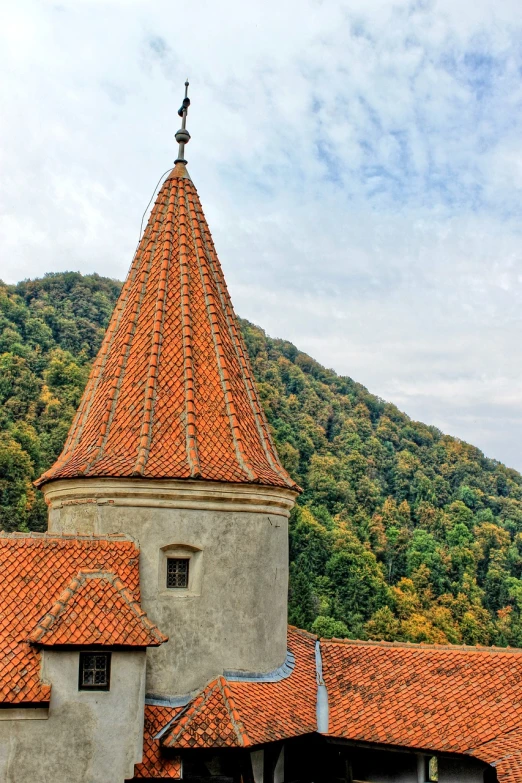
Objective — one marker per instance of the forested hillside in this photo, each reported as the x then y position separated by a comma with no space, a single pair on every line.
401,532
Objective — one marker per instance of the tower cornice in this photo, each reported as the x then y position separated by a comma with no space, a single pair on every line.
198,495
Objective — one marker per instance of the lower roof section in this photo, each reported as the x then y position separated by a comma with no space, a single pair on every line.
442,698
431,699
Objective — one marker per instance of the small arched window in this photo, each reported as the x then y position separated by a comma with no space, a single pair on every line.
180,570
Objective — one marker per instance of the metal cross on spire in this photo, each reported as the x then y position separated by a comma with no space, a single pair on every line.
183,136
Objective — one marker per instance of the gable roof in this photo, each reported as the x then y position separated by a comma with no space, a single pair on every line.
171,393
96,608
36,568
210,721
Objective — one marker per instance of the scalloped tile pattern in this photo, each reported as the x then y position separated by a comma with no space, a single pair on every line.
209,721
171,392
440,698
505,754
156,764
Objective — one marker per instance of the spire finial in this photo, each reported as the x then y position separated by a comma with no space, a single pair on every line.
183,136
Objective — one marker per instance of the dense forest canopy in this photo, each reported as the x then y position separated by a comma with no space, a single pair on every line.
401,533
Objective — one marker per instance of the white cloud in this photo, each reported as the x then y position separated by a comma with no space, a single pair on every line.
359,163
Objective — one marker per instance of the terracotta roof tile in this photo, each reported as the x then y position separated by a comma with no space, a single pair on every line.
504,752
171,393
211,720
96,608
36,569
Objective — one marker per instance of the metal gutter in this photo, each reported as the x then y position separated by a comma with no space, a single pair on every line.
322,709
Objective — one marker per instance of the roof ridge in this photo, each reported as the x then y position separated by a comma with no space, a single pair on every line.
150,387
112,398
239,347
302,632
45,536
423,646
103,354
191,440
223,371
235,718
52,617
183,718
172,732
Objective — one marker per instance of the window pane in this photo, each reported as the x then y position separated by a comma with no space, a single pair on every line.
100,677
177,572
88,677
94,670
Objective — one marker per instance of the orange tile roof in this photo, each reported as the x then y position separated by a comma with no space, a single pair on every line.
96,608
156,762
232,714
442,698
445,699
35,571
509,768
171,393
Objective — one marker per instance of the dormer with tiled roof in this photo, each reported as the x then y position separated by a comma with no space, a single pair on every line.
96,608
66,601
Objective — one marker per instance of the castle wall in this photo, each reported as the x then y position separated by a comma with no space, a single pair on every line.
85,737
233,616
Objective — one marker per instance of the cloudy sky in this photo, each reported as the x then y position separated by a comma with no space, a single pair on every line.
359,162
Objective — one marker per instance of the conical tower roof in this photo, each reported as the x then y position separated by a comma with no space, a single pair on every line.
171,393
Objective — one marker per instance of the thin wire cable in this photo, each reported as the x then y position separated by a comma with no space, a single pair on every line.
148,205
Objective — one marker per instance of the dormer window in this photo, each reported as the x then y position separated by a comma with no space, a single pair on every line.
95,671
177,572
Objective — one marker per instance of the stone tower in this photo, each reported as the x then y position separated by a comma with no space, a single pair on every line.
170,446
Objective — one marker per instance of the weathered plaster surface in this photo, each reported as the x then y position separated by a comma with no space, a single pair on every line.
237,617
89,737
